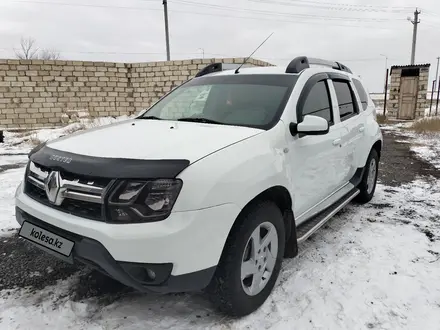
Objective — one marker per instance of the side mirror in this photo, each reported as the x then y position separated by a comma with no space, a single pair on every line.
313,125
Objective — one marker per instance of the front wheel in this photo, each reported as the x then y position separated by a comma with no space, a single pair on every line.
251,261
368,183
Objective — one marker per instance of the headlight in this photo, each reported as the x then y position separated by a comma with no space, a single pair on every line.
137,201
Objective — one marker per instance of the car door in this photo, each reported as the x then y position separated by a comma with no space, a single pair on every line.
316,159
352,123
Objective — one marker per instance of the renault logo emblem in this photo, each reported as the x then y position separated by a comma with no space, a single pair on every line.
53,188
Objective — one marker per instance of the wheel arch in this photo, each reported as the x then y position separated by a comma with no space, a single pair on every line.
378,147
282,198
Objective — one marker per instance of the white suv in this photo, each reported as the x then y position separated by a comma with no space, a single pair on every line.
213,185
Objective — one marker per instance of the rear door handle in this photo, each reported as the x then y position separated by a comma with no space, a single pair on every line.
361,129
336,142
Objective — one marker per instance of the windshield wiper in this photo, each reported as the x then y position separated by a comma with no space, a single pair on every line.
151,117
200,120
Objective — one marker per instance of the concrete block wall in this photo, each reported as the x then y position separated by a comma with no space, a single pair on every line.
393,98
36,94
393,101
422,102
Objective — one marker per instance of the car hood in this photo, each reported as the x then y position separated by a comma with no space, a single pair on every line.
153,140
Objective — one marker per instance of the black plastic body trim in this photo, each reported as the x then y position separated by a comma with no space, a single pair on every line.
357,177
211,68
112,168
338,76
306,91
92,253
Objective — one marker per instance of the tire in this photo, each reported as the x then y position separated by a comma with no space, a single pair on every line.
226,290
366,191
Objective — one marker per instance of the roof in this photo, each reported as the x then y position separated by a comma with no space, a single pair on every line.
410,66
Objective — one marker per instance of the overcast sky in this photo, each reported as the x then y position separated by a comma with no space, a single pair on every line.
353,32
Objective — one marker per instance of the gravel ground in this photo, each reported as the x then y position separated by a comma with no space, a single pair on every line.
22,265
399,165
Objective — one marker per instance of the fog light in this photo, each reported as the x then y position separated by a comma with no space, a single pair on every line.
151,274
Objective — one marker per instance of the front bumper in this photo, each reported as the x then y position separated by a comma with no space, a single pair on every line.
183,250
136,275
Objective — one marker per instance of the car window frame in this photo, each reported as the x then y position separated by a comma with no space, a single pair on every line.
308,86
364,107
344,79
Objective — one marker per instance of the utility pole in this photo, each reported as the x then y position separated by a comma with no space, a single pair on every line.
167,33
386,71
436,74
415,22
203,52
386,92
436,105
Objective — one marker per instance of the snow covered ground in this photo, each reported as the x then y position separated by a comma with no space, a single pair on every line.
372,267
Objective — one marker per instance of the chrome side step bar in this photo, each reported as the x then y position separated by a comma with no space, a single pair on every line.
308,228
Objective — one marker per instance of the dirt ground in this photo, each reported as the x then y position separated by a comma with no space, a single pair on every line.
399,165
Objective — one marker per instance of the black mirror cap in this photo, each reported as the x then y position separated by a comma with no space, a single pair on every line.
293,128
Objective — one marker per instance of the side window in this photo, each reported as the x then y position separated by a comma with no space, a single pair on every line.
318,102
347,106
362,93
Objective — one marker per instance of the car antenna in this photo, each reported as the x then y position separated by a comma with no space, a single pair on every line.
247,59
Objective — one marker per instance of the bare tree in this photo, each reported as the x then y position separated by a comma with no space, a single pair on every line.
28,49
49,54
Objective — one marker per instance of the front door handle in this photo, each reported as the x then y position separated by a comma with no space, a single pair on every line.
361,129
336,142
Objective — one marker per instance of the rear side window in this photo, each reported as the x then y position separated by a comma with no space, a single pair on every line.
362,93
346,103
318,102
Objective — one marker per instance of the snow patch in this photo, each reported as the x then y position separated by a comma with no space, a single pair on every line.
23,142
372,266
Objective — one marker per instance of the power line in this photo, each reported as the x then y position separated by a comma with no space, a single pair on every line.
265,12
335,6
346,4
262,12
84,5
303,20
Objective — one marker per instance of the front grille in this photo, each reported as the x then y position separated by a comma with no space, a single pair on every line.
78,195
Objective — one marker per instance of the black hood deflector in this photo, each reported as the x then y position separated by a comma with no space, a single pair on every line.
102,167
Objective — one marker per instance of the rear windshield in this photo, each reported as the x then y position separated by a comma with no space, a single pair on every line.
240,100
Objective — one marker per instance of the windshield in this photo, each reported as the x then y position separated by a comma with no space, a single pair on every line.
242,100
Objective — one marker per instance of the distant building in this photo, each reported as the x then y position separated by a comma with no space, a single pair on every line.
408,89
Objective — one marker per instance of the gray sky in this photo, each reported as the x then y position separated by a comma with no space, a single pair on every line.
353,32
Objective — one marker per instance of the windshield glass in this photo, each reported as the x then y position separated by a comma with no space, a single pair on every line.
241,100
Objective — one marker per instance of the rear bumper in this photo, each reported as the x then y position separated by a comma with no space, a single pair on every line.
136,275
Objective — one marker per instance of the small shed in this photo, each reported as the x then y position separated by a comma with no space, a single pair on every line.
408,89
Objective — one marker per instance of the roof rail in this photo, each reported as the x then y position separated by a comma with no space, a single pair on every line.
303,62
218,67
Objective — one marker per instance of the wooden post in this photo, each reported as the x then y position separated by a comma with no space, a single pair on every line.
432,96
2,137
436,106
386,92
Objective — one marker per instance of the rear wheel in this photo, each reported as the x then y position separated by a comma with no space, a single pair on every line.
251,261
367,186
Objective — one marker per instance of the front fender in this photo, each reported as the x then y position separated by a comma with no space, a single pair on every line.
236,174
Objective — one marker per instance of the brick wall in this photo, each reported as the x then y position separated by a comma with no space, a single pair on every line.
35,93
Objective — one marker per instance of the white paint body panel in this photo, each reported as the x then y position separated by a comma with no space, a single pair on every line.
153,139
229,167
